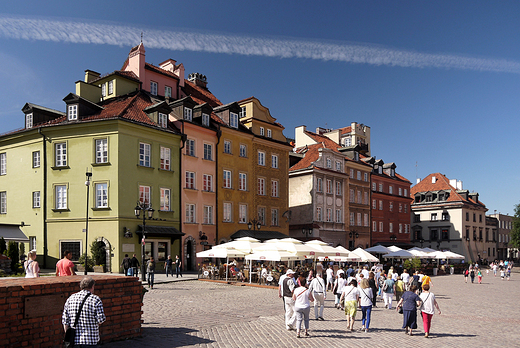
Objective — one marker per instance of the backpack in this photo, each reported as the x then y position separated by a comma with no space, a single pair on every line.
466,272
385,286
415,282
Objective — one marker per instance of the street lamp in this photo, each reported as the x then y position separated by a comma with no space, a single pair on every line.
353,235
254,224
393,237
421,241
307,232
87,183
146,208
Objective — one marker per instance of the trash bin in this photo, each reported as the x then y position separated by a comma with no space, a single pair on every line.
452,270
435,271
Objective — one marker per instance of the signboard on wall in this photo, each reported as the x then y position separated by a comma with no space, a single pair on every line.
128,248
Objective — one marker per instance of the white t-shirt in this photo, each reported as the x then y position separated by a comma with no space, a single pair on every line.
339,272
405,277
351,293
341,284
365,296
330,274
421,276
428,302
394,276
302,297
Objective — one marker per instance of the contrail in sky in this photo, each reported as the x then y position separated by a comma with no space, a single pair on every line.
97,33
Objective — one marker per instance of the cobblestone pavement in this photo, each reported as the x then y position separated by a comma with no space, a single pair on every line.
205,314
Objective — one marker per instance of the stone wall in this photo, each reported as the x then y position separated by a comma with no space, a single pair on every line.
30,309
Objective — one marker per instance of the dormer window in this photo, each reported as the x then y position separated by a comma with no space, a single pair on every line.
188,114
269,134
205,120
104,90
167,91
233,120
392,172
72,112
153,88
262,131
347,142
163,120
242,113
380,170
110,87
29,121
329,163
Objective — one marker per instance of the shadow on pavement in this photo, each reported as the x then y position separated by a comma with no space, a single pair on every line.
170,337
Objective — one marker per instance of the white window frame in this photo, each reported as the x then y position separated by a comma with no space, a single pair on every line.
233,120
262,131
352,196
101,192
165,158
60,150
167,91
101,150
275,188
36,162
227,212
227,146
242,181
207,182
365,177
190,180
338,166
243,150
188,114
36,198
145,151
242,112
365,220
261,158
261,215
359,175
205,120
275,221
338,216
29,120
145,194
380,187
104,90
190,147
3,163
339,188
60,196
269,133
208,152
153,87
165,204
352,218
261,186
162,120
226,179
359,222
381,229
208,215
242,213
190,217
374,226
32,242
3,202
274,161
329,186
110,87
329,163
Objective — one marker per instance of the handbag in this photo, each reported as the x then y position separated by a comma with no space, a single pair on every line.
70,334
400,310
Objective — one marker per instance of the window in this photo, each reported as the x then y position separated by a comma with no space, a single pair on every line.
72,112
207,183
329,163
365,177
445,234
352,173
391,227
329,186
405,192
319,185
338,188
374,226
242,213
365,198
32,243
60,196
261,215
391,190
406,208
269,134
227,146
3,202
242,181
165,158
144,154
467,216
233,120
104,90
365,220
358,175
374,204
274,217
61,154
190,180
188,114
380,226
167,91
391,206
352,196
29,121
261,186
144,194
190,213
318,214
242,112
433,217
358,197
329,215
205,120
434,235
110,87
101,150
374,186
163,120
208,152
190,147
36,199
274,161
274,188
338,216
3,163
380,205
165,199
36,159
262,132
359,219
261,158
153,88
445,216
243,150
227,212
226,179
102,195
400,191
380,187
73,246
352,219
208,215
338,166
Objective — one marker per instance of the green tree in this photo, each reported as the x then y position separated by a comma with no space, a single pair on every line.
22,248
14,255
3,246
98,252
515,232
412,264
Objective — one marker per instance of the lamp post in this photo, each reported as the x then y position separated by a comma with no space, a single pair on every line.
87,183
307,232
146,208
422,242
353,235
393,237
254,224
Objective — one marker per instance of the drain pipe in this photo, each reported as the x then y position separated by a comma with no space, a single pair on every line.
45,244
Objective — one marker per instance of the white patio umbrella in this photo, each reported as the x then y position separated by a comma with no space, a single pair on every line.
428,250
394,248
378,249
400,254
242,245
439,255
452,255
365,256
322,249
222,253
421,254
274,255
248,239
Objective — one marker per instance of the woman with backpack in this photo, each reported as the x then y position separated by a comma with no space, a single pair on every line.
466,275
472,275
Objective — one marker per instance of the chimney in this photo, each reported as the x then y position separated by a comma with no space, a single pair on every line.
434,179
198,79
418,180
91,75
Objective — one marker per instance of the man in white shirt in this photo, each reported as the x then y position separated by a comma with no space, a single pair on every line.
317,288
330,278
285,290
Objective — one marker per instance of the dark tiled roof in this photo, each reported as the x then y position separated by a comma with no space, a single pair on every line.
201,95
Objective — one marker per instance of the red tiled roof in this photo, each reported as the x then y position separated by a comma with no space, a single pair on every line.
311,154
161,71
201,95
127,74
345,130
329,144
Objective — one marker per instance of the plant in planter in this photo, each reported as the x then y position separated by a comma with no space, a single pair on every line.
99,255
81,265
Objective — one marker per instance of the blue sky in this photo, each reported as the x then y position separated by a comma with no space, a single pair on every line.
437,82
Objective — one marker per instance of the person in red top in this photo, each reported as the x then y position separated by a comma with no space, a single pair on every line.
65,267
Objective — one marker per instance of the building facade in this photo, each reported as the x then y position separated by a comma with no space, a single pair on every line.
503,236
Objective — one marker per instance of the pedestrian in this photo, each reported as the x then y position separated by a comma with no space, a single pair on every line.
409,302
310,277
502,273
317,289
508,272
427,309
350,298
495,268
405,277
466,274
388,292
426,280
32,269
365,300
285,291
126,264
150,269
91,316
168,266
65,267
399,288
178,266
330,278
302,307
134,263
374,286
479,276
339,284
472,275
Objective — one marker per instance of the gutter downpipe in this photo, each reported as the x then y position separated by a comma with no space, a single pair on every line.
183,140
45,246
219,134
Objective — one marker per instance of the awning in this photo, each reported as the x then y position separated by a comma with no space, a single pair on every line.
258,234
12,233
160,231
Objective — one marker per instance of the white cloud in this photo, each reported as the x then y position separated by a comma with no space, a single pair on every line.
95,33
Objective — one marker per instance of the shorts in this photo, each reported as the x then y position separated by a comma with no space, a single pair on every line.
351,308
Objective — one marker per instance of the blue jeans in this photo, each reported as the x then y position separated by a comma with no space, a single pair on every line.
302,314
178,271
150,279
367,311
169,270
